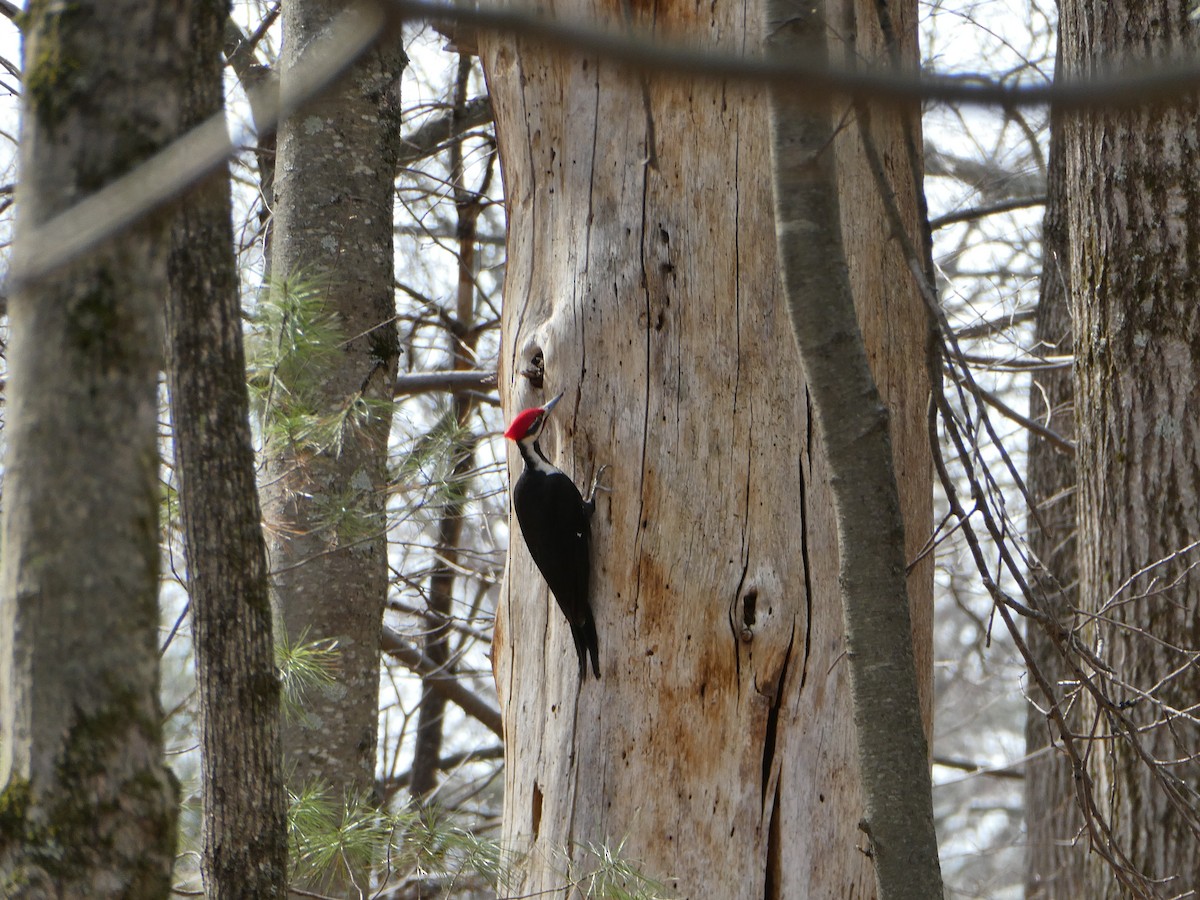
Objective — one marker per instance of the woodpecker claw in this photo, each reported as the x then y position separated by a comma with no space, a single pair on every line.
597,486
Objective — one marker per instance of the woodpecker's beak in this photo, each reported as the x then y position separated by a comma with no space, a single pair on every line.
549,406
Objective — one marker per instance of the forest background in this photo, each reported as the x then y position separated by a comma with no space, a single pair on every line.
445,510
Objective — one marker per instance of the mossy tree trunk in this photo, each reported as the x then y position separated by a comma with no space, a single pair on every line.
245,812
718,749
89,805
1133,228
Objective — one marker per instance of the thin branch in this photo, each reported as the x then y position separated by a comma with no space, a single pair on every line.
988,209
994,182
1053,437
187,160
445,764
435,133
453,381
184,162
812,78
448,686
973,769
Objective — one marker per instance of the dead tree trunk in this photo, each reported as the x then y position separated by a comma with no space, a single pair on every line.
719,747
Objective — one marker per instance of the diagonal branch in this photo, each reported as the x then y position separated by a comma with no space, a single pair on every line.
853,425
445,684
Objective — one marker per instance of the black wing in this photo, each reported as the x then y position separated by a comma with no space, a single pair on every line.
554,523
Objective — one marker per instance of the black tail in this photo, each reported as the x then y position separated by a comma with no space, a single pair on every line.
586,642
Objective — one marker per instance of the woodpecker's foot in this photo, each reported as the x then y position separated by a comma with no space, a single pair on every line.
590,502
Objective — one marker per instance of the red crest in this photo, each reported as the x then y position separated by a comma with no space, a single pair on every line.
521,424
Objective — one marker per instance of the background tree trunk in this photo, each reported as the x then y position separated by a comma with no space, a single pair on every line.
245,812
718,748
89,805
325,501
1132,207
1054,857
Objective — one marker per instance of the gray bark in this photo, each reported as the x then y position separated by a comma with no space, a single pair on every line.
852,423
88,805
244,806
327,540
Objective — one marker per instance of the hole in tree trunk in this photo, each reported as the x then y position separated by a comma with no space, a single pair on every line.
535,370
750,607
537,809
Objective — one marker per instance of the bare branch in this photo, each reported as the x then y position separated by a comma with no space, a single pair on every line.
995,183
193,156
1008,412
447,685
454,381
812,78
187,160
434,134
989,209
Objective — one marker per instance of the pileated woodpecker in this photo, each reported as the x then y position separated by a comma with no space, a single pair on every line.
556,523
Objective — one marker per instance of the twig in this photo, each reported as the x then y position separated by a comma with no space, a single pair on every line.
990,209
1008,412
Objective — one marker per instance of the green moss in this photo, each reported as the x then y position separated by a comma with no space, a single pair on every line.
68,74
55,80
75,818
21,843
14,805
93,317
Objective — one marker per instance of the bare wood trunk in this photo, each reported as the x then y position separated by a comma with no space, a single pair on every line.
718,747
1133,208
245,813
88,805
324,501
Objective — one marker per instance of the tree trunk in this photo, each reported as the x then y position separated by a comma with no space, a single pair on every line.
89,805
853,428
1132,206
245,813
325,499
718,749
1055,856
